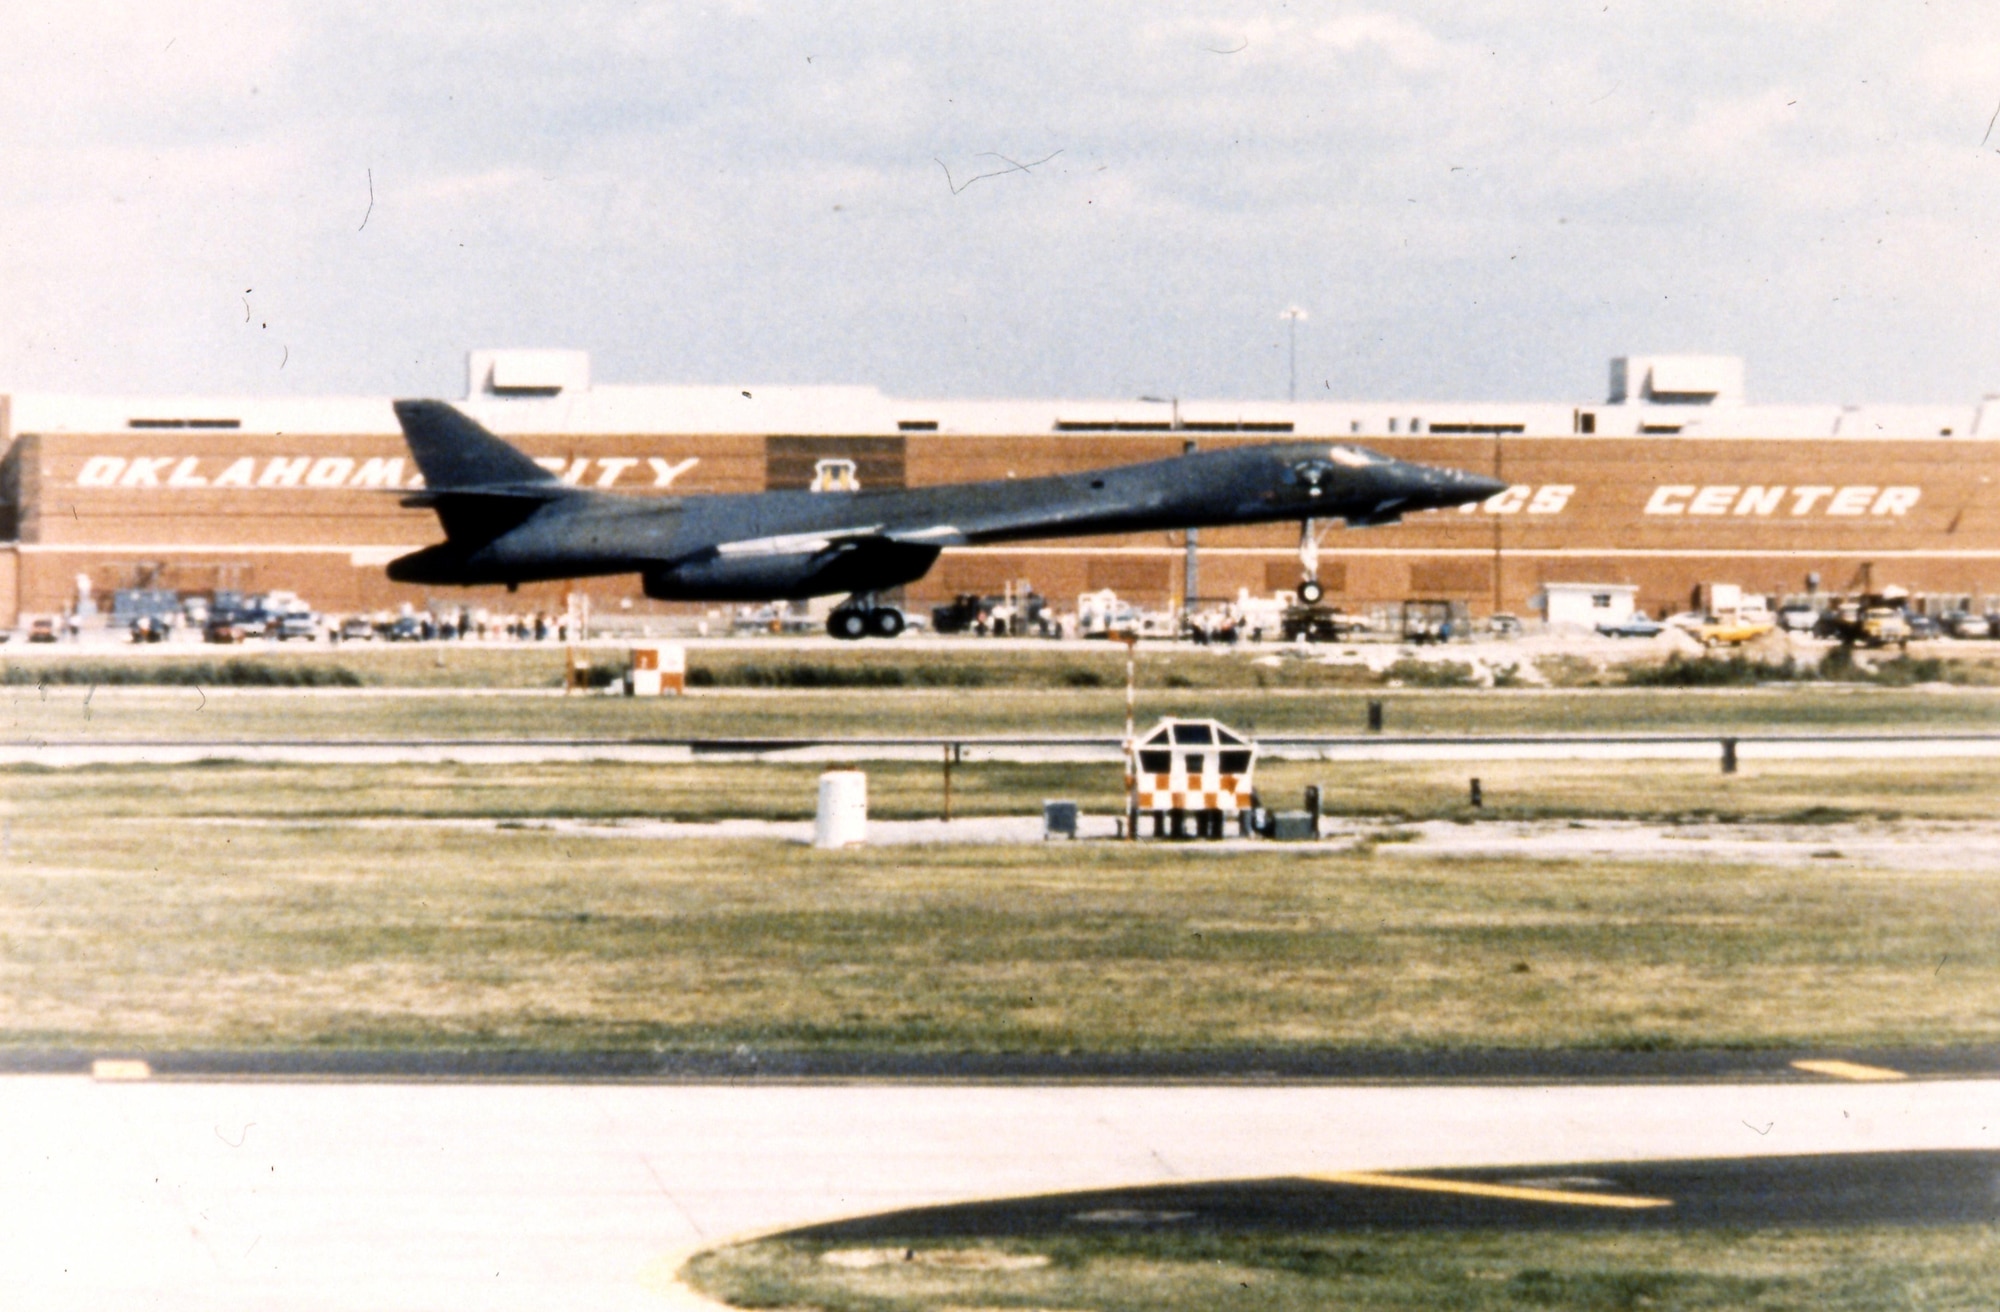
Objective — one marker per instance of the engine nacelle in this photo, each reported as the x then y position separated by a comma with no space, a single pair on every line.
866,565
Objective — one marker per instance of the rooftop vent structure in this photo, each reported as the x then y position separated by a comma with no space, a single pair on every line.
526,373
1677,380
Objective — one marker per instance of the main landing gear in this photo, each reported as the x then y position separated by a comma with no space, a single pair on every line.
859,617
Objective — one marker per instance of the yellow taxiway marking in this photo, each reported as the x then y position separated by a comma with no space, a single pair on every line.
105,1068
1518,1193
1848,1070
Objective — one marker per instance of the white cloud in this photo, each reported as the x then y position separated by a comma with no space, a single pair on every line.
1472,200
1404,43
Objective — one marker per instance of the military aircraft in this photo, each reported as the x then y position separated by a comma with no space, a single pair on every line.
508,520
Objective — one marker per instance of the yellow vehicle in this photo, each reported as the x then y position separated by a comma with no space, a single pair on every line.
1731,633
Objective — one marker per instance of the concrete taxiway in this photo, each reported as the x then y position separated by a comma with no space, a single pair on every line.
1908,1188
303,1195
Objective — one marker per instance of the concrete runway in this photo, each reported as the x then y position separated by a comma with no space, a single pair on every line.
535,1196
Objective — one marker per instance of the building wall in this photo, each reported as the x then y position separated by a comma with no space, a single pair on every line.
198,510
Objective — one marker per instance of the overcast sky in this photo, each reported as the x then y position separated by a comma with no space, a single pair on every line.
1468,199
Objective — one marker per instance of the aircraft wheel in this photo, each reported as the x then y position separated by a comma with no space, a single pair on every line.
1310,591
886,622
847,625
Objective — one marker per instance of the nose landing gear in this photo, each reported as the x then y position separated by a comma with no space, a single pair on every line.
1310,590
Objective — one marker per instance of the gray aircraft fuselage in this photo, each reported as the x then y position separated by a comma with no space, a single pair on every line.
509,521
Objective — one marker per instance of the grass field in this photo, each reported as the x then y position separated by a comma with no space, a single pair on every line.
298,906
80,712
1824,793
1827,1270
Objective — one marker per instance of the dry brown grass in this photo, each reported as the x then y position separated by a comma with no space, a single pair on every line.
1845,1270
383,906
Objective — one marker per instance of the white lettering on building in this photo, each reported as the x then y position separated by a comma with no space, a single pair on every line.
1759,500
144,471
1549,499
238,474
1713,500
100,471
343,471
665,472
330,471
379,471
280,472
1670,499
1756,499
612,467
1895,500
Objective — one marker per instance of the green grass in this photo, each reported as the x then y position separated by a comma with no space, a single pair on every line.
1826,1270
1825,793
288,907
81,712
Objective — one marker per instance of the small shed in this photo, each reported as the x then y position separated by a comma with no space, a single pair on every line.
1588,605
1199,768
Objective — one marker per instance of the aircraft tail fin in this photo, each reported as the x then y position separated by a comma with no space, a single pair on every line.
456,454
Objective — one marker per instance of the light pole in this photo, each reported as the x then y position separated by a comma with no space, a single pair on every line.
1191,572
1292,315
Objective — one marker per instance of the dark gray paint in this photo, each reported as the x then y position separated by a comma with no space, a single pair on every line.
508,520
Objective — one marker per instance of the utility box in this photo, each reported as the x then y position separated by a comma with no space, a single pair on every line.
1191,768
1058,820
658,671
841,818
1294,827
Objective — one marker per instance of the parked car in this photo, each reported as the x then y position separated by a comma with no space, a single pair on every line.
1731,632
1504,625
150,628
405,628
1317,623
1633,626
1923,627
42,630
963,612
1966,624
1797,617
355,628
230,627
295,625
1865,623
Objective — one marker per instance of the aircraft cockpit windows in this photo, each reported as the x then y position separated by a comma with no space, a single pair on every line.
1159,736
1196,761
1223,735
1234,762
1312,474
1193,733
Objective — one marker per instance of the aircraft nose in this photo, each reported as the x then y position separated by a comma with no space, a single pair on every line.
1478,487
1438,488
